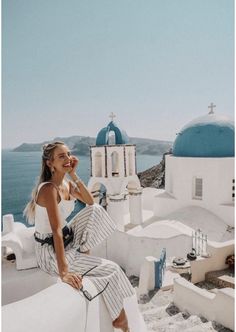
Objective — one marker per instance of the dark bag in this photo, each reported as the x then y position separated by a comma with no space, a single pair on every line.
67,234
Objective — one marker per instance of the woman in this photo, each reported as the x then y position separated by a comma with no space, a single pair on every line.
52,202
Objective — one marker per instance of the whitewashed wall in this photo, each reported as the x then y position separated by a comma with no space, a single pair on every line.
130,251
217,175
71,311
148,197
218,252
214,307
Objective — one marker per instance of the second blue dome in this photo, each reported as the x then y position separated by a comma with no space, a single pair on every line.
207,136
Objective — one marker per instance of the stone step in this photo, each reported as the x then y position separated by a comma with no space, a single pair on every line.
147,306
162,298
164,323
221,279
192,321
204,327
157,319
180,326
155,314
161,315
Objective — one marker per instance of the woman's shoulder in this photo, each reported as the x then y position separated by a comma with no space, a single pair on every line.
47,184
47,190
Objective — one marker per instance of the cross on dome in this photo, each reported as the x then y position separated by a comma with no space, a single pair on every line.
112,116
211,107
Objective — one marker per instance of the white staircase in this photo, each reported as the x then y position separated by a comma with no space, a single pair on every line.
161,315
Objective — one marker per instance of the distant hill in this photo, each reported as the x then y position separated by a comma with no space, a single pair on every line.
151,146
80,145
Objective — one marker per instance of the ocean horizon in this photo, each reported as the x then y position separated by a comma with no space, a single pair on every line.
20,171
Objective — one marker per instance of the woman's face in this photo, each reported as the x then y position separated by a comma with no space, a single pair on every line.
61,159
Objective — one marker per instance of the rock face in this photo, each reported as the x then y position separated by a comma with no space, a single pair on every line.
155,176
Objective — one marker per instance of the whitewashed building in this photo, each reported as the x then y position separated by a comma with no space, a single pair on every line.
113,175
200,172
198,194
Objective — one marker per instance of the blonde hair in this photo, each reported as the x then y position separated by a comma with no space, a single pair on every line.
45,175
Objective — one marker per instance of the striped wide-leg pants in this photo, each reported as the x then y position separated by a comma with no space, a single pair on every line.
90,226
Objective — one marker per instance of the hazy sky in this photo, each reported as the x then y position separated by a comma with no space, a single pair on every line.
157,64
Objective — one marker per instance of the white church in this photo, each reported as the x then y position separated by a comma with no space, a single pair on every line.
199,173
198,194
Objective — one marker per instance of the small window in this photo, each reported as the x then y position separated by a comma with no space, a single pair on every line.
115,163
197,192
131,164
98,164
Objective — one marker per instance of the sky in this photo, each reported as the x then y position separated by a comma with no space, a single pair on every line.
67,64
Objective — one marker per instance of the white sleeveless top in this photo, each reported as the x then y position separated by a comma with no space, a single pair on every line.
42,223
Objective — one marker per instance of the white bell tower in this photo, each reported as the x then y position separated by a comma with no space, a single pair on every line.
114,176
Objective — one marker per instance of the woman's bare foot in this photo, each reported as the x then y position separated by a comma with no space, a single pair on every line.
121,322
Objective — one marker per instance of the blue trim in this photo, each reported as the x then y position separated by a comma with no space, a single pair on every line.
159,269
156,271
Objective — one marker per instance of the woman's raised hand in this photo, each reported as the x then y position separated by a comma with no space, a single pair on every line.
74,163
73,279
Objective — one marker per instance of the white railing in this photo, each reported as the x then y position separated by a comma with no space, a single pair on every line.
199,242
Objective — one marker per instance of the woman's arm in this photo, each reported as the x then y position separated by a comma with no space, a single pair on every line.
81,192
50,194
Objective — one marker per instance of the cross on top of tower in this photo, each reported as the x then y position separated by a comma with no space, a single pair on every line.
211,107
112,116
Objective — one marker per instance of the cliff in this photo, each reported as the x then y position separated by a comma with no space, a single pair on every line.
155,176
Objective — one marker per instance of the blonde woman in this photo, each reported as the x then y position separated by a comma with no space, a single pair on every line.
63,249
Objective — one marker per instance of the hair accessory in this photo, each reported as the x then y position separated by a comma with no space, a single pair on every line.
45,146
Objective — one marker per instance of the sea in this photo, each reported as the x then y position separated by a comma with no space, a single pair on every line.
20,171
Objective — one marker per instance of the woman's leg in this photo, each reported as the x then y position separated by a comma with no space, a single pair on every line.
106,273
91,226
121,322
109,276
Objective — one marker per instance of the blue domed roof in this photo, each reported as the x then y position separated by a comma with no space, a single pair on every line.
207,136
103,135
